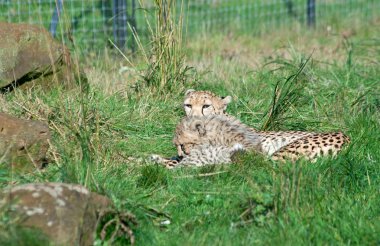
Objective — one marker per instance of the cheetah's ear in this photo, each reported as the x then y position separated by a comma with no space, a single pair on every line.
226,100
200,128
189,91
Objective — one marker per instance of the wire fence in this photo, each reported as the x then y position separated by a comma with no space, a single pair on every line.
94,22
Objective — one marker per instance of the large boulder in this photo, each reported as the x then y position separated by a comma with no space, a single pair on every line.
29,56
23,143
67,214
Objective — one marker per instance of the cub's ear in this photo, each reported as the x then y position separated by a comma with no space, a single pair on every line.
200,127
189,91
226,100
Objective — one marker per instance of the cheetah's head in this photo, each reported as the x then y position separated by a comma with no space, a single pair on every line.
203,103
189,133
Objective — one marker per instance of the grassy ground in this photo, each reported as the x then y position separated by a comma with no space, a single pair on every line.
255,200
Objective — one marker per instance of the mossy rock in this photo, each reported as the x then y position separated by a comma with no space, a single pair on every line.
66,214
23,143
29,57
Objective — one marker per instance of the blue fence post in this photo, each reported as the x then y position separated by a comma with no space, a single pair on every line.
133,24
290,8
311,13
55,18
119,11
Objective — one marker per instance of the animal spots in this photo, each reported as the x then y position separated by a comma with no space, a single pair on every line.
203,143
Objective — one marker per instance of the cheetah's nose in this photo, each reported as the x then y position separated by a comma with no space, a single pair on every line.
185,150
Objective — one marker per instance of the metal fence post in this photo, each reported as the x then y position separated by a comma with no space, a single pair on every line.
55,18
133,25
289,6
119,22
311,13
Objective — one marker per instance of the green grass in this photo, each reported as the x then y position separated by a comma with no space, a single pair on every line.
254,201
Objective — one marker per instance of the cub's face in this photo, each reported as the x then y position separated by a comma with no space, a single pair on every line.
189,133
203,103
185,141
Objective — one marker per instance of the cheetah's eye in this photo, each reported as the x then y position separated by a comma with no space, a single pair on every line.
206,106
188,105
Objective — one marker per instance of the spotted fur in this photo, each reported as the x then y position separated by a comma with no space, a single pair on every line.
215,139
278,145
313,146
272,141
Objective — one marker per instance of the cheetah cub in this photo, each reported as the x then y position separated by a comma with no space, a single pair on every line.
210,139
276,144
215,130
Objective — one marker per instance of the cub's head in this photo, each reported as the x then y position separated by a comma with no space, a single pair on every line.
189,133
203,103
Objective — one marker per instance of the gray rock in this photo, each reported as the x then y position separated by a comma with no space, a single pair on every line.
23,143
29,56
66,213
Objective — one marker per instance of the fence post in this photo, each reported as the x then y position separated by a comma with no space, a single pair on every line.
289,6
133,25
119,11
311,13
55,18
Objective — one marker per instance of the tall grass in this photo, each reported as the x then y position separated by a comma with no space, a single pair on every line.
166,70
286,93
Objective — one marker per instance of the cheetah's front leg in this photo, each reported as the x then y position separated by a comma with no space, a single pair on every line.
168,163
